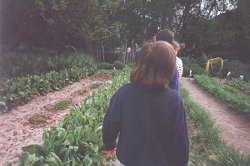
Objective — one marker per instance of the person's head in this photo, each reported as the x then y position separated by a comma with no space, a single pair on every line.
165,35
155,66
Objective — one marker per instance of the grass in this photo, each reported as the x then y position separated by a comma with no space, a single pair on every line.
226,94
207,147
62,104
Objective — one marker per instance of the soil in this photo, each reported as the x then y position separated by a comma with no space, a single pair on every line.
234,127
25,124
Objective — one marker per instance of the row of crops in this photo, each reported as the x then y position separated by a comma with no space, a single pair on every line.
77,139
240,85
19,90
16,64
230,95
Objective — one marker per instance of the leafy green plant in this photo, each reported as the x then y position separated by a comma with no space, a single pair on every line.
191,64
238,84
18,91
41,62
62,104
77,140
118,65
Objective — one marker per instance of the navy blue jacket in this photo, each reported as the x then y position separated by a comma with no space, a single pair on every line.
150,126
174,81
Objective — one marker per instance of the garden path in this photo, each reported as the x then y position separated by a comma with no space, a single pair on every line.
234,127
19,128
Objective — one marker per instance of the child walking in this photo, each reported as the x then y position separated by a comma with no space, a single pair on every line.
146,116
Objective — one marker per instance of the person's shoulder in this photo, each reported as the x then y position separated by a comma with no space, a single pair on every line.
173,94
124,88
178,60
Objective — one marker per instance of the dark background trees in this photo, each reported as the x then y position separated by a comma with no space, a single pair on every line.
212,27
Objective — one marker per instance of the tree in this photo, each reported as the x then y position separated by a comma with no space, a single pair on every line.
243,35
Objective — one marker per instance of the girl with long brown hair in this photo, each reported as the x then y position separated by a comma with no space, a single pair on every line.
146,116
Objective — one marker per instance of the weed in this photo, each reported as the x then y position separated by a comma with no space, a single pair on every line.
96,85
82,92
62,104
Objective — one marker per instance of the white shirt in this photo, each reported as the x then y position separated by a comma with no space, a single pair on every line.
179,66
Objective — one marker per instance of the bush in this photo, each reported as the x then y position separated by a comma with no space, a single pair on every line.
202,60
237,68
105,65
191,64
118,65
111,57
16,64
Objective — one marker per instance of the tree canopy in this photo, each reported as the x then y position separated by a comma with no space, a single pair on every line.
85,24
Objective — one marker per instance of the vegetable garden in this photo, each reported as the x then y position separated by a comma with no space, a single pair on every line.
51,46
77,139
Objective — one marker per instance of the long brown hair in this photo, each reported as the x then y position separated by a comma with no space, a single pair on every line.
154,66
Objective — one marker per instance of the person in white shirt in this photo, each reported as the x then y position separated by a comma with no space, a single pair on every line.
179,64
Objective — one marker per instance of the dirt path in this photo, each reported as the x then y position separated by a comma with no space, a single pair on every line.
235,129
20,127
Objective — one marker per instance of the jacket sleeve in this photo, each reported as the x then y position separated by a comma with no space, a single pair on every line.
180,142
112,123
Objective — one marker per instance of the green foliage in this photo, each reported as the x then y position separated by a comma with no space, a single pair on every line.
54,24
231,96
191,64
62,104
17,91
3,107
236,68
107,66
16,64
239,84
118,65
215,150
77,140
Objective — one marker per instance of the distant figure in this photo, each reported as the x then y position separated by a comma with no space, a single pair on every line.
190,74
179,63
168,36
228,75
137,51
148,118
241,77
